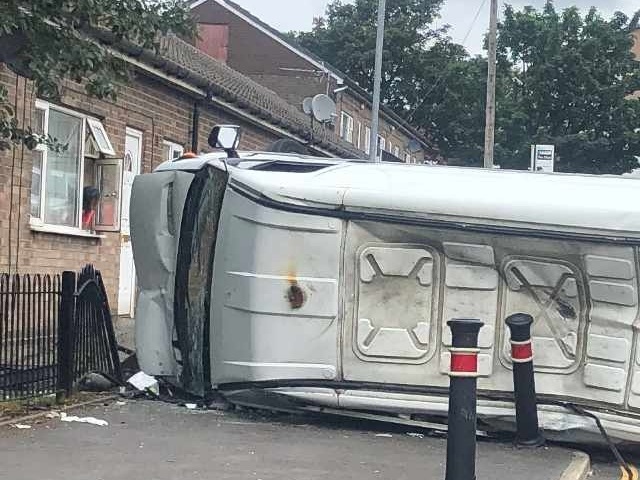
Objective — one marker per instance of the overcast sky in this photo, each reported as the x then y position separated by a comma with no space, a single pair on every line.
287,15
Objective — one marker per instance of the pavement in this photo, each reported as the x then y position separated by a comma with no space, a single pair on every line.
158,441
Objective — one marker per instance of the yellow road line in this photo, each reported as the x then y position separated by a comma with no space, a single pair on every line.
634,473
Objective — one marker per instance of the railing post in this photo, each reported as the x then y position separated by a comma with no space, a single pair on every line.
524,387
65,336
461,437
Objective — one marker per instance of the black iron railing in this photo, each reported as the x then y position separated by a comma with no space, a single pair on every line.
54,329
29,307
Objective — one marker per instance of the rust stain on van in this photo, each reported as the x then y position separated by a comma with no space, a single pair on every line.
295,295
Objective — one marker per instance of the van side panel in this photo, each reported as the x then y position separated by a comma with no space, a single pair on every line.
276,300
404,282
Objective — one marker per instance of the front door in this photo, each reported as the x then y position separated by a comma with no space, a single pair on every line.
131,168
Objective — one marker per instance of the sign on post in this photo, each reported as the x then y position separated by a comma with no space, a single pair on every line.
543,158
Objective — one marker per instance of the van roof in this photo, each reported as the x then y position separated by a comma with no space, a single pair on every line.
585,204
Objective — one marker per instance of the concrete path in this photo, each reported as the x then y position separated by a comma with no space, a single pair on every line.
157,441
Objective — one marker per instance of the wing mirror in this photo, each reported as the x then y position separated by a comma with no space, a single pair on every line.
227,138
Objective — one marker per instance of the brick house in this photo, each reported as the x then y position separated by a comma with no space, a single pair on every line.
230,33
170,105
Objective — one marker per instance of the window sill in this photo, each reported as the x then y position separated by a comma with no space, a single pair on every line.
60,230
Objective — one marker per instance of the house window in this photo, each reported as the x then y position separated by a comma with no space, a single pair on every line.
359,138
172,150
346,127
367,140
382,143
407,158
396,151
60,177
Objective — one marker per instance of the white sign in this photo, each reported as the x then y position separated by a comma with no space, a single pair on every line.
543,158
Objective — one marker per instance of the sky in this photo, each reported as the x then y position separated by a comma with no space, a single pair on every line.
286,15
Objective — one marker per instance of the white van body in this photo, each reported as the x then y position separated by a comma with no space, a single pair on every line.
331,282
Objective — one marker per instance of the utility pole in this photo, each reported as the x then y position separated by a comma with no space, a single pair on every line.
490,126
377,82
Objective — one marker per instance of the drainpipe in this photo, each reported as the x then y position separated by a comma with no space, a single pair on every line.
195,127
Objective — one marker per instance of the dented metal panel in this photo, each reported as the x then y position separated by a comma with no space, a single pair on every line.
157,203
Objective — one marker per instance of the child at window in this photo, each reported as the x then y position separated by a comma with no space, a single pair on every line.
90,198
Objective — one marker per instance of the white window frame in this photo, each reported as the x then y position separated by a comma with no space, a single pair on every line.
118,163
367,140
98,131
396,151
359,139
407,158
174,148
346,127
38,223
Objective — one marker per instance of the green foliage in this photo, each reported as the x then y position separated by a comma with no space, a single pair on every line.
347,39
49,41
575,73
563,78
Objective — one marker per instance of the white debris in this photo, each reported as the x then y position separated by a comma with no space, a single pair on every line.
144,382
53,414
384,435
91,420
120,404
20,426
191,406
415,435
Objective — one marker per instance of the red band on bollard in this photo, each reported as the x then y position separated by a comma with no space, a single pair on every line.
464,364
521,352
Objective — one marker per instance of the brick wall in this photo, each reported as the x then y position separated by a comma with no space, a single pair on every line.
154,108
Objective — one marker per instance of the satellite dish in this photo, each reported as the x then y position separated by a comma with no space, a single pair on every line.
323,108
414,146
307,105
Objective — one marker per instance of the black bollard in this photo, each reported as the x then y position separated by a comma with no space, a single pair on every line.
461,437
524,387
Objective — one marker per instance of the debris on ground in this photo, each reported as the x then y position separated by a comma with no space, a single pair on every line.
121,404
96,382
415,435
90,420
191,406
21,426
384,435
53,414
145,383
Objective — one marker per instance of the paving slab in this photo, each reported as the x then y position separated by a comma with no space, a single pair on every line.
158,441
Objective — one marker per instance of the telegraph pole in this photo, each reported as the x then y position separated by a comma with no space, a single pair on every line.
490,128
377,81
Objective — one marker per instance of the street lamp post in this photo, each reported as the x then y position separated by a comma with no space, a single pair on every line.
377,81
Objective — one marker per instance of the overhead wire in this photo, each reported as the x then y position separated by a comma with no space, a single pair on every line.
443,73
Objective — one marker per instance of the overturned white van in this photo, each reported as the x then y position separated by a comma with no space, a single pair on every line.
331,282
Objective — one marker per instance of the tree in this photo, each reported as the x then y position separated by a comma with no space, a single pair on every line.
347,38
575,74
563,78
428,79
49,41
